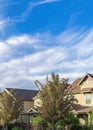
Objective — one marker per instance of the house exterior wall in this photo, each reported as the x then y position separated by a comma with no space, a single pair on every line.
28,105
37,103
88,83
81,97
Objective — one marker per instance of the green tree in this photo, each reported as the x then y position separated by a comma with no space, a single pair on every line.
56,99
10,106
38,121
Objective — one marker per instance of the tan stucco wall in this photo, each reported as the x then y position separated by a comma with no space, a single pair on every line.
28,105
82,99
87,84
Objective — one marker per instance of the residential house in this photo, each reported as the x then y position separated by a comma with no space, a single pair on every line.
27,98
82,88
25,95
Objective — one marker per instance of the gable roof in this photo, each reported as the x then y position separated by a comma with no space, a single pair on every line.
23,94
86,76
80,109
74,87
84,90
91,75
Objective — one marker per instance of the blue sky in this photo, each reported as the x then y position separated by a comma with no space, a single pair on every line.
38,37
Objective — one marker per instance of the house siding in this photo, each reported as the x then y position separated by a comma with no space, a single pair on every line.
80,98
28,105
88,83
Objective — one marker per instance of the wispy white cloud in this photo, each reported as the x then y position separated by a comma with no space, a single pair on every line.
68,35
23,39
25,58
2,25
7,20
57,54
84,47
35,4
46,1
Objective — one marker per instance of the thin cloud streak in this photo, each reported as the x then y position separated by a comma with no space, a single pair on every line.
6,20
2,25
31,6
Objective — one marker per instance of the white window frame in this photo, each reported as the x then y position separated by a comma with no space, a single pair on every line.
88,98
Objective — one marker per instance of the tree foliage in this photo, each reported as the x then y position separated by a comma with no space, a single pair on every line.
10,106
38,121
56,99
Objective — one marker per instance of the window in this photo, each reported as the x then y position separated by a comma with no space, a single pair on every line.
88,98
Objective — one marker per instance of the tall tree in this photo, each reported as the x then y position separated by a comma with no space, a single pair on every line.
10,106
56,99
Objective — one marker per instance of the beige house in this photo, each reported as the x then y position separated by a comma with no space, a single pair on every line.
82,88
26,96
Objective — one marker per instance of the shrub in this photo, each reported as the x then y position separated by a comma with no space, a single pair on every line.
60,124
85,127
10,126
79,127
91,127
71,120
38,121
20,125
76,127
17,128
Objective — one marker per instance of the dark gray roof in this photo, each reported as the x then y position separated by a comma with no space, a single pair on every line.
23,94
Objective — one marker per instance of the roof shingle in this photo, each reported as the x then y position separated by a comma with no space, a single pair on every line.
74,87
24,94
82,109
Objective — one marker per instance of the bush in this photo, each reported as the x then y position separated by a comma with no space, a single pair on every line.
85,127
19,125
17,128
39,121
71,120
76,127
91,127
79,127
10,126
60,124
